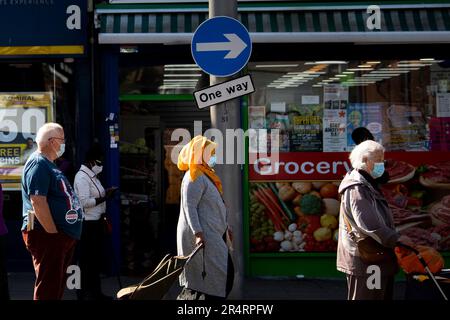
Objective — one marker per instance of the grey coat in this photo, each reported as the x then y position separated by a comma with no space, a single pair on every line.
369,216
202,210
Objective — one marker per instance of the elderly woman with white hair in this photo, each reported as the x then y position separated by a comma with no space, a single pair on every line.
365,214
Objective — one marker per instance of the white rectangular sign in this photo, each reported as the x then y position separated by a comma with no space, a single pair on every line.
224,91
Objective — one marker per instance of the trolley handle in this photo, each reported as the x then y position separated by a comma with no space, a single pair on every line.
402,245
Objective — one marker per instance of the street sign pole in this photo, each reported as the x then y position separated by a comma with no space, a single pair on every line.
227,116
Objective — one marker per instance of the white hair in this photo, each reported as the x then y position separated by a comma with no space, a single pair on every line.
364,151
46,132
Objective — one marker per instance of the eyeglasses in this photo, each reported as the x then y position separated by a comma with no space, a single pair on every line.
64,140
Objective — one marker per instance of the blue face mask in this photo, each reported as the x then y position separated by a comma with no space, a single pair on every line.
212,161
378,169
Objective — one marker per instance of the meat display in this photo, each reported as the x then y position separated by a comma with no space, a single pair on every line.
404,216
423,237
437,173
399,170
440,212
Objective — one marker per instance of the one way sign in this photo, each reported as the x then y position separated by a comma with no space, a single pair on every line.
221,46
224,91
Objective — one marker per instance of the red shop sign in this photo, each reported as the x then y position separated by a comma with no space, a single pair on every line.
324,165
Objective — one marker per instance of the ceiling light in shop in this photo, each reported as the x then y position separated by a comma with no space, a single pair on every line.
183,69
364,66
276,65
330,62
179,65
180,80
373,62
428,59
314,72
348,72
342,75
411,65
176,75
390,71
129,49
360,69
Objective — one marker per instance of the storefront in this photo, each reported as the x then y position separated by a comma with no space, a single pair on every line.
45,77
319,73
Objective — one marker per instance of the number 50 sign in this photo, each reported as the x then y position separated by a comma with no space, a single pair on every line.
21,115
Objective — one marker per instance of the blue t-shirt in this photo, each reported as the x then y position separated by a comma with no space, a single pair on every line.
42,177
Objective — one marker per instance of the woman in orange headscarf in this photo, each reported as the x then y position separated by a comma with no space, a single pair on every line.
203,219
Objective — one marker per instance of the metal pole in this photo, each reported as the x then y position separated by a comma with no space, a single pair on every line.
227,116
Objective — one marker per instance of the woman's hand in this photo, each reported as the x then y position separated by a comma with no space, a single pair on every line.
199,238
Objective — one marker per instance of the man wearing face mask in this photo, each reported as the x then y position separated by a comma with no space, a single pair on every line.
52,214
93,199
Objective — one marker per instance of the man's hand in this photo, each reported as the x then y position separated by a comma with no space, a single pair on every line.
42,212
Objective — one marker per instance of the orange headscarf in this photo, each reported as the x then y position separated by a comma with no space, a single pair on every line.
192,157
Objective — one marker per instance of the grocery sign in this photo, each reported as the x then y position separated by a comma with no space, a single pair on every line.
21,115
324,165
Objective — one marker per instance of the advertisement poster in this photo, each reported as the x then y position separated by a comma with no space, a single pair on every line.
335,118
335,96
257,117
368,115
21,115
439,134
306,133
294,203
407,128
334,130
443,104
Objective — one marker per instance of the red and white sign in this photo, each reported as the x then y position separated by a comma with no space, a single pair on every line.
323,165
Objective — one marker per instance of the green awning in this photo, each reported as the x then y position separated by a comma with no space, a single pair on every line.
150,27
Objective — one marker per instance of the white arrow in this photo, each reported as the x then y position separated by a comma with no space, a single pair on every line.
235,46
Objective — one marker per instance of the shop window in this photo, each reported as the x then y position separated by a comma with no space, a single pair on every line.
163,79
293,193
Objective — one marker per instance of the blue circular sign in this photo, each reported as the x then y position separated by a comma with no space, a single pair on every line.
221,46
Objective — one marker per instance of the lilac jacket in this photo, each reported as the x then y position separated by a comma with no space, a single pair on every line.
3,229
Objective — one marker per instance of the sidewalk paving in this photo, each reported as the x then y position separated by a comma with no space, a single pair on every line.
267,288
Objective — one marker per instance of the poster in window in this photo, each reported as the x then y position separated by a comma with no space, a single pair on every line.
335,118
443,105
439,134
21,115
334,130
407,128
368,115
306,130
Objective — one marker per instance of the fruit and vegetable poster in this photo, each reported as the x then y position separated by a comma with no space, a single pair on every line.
21,115
294,203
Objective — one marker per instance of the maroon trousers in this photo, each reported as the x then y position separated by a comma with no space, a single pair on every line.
52,255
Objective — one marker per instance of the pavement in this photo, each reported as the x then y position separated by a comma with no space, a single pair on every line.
263,288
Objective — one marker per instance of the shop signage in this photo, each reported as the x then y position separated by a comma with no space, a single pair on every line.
221,46
324,165
43,23
21,115
224,91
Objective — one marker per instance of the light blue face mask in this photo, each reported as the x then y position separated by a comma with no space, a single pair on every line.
62,149
378,169
212,161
